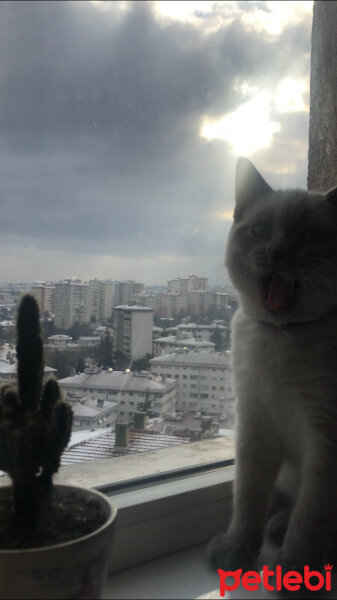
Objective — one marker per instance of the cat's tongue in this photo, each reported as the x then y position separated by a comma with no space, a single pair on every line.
279,293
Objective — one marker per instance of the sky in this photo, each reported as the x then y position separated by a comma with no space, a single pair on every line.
121,124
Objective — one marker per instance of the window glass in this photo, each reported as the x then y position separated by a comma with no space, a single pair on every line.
121,124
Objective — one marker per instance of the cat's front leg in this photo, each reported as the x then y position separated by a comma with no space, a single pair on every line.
257,462
314,517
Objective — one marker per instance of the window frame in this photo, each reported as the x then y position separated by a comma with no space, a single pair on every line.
167,512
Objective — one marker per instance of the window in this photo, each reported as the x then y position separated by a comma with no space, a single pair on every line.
126,161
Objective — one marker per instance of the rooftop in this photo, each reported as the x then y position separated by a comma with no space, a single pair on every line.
206,327
6,367
133,307
172,339
213,359
103,445
118,380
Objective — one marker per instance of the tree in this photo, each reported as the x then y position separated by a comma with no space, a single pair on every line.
217,339
141,364
103,352
80,365
120,361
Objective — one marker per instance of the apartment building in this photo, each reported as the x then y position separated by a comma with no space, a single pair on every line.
108,291
133,330
125,290
196,302
72,303
44,296
8,372
131,391
144,299
203,378
184,285
221,300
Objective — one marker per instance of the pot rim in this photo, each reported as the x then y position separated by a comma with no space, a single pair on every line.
109,520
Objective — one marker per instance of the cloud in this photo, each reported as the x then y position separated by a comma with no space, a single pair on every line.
100,116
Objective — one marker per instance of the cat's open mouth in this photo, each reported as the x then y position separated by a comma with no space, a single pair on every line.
279,292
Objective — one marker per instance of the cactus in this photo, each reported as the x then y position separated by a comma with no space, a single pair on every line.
35,423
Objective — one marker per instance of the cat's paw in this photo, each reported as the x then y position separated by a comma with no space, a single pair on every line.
277,526
227,552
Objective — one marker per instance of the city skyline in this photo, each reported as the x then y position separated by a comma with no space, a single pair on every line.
121,123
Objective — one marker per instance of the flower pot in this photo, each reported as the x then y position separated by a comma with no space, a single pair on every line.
74,569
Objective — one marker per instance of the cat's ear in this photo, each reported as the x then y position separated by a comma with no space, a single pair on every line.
249,185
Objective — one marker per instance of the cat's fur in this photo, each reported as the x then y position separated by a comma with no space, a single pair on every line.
282,258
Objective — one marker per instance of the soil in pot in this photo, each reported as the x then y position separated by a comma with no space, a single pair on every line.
69,517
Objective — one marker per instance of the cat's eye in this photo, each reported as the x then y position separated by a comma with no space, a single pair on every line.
258,230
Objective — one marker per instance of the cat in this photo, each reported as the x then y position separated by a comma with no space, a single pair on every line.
281,257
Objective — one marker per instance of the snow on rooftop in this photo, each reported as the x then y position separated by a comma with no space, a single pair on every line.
133,307
102,445
215,359
119,380
172,339
78,437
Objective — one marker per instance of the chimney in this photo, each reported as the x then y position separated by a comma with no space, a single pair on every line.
140,420
195,436
122,435
206,423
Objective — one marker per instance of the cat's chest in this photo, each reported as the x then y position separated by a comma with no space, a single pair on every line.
284,364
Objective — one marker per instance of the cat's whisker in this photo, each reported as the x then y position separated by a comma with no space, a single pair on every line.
330,264
322,277
314,287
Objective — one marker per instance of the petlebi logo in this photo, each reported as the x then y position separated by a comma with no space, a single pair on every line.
277,580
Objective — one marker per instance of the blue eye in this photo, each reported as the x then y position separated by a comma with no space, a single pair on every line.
258,230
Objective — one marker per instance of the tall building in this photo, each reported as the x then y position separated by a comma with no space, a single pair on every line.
133,330
108,290
183,285
44,295
72,303
126,289
102,295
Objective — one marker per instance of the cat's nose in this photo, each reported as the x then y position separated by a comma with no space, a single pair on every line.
276,251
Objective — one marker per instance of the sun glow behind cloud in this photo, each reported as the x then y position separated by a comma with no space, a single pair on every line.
289,96
250,127
270,16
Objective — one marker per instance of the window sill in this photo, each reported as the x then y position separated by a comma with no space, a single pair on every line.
160,509
181,575
168,517
111,470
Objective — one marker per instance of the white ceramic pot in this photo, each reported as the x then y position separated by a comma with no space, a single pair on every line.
72,570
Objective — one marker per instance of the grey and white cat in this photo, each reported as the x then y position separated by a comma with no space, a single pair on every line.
282,258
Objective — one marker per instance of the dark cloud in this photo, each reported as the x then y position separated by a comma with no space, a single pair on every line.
100,113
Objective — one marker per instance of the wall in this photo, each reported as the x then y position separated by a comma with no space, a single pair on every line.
322,170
